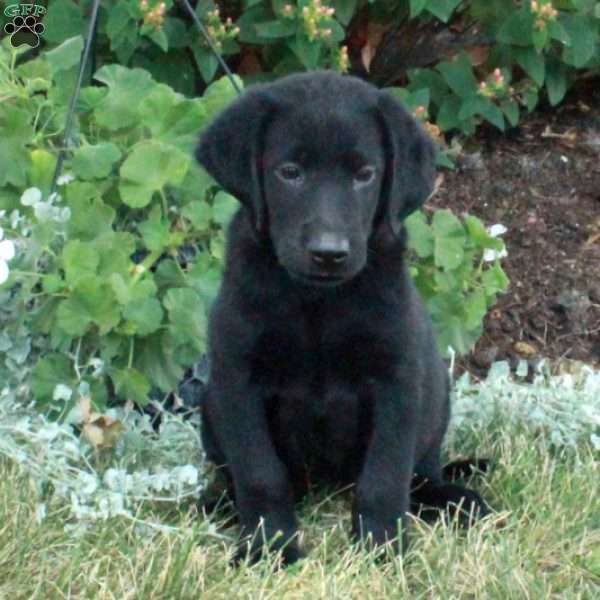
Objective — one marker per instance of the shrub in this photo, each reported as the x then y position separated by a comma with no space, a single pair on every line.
476,61
112,277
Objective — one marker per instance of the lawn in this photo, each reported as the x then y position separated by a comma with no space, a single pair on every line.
543,540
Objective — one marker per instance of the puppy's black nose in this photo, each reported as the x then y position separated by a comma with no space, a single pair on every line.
329,250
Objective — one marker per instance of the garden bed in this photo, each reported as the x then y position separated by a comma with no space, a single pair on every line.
542,182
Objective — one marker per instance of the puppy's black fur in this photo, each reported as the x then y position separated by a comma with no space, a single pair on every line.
324,365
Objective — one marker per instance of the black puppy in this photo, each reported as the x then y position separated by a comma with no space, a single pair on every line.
324,366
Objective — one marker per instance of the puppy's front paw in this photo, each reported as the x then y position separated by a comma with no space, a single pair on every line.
376,536
254,548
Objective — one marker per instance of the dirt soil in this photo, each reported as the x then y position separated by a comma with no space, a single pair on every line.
542,182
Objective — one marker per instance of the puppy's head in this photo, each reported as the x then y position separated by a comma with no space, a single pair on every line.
321,162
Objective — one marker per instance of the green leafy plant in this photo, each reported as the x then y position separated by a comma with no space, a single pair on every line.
524,50
457,270
111,278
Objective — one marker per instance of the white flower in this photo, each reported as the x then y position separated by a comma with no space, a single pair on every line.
497,230
65,179
187,474
31,197
43,211
7,252
62,392
489,255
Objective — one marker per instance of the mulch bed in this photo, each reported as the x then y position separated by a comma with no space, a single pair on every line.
542,181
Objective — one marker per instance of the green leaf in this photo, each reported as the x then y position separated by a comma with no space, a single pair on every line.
90,216
171,117
224,207
494,280
66,55
307,52
17,133
149,167
52,283
206,282
41,173
115,249
417,7
132,385
477,231
187,316
199,213
206,62
531,97
158,36
540,38
430,80
479,105
556,81
583,34
156,231
533,63
122,30
218,95
48,373
276,29
459,75
127,89
168,274
511,110
177,33
558,32
475,306
442,9
517,29
91,302
63,20
420,235
145,314
449,240
80,260
344,10
155,359
447,117
95,162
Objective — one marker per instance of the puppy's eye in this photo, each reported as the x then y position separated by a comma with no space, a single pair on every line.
289,172
364,175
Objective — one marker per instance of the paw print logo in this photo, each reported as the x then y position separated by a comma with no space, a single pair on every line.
24,31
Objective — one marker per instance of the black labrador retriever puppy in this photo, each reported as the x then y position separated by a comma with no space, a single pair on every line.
324,366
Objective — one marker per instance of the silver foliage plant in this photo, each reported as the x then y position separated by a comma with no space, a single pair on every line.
562,410
144,467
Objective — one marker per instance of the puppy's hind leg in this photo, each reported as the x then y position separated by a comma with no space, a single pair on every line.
431,493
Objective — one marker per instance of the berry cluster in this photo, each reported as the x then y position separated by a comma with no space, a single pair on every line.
218,30
153,16
543,12
341,60
422,115
315,19
495,86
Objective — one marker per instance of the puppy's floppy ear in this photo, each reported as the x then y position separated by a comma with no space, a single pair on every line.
230,149
410,162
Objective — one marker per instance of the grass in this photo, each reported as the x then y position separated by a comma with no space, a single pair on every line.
543,542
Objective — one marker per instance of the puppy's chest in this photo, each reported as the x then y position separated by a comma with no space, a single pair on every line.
317,353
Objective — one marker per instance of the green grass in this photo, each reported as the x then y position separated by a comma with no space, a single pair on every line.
543,542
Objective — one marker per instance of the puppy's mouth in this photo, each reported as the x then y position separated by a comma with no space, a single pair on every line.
320,280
